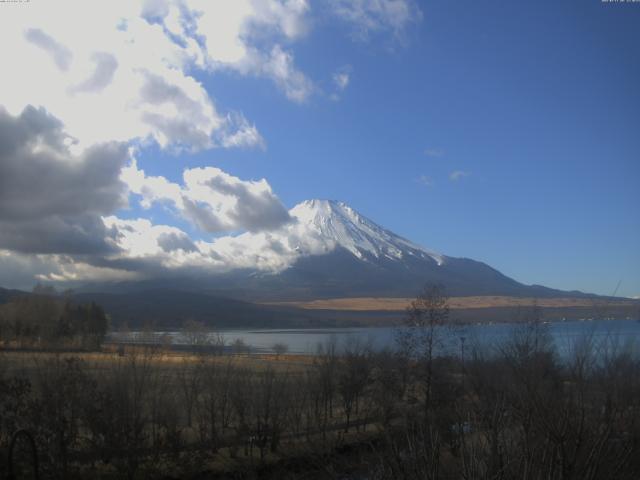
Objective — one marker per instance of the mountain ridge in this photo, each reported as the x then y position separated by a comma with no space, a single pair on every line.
340,253
162,309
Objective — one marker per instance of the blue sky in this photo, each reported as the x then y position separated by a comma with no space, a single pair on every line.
506,132
538,102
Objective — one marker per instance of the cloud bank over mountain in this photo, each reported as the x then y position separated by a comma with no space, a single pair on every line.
88,96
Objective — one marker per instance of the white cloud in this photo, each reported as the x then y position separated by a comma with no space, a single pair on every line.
118,76
125,71
426,181
434,152
245,36
341,79
369,17
279,66
140,238
60,54
105,67
146,245
241,133
228,28
124,74
211,199
458,174
83,93
56,211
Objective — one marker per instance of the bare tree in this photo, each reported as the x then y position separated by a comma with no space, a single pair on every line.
195,334
280,348
353,377
326,363
214,403
422,335
389,384
189,378
217,341
268,409
240,346
63,386
241,391
119,424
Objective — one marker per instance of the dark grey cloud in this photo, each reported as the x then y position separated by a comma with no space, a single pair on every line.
61,55
203,217
78,235
185,129
32,125
156,91
51,200
174,241
148,267
254,211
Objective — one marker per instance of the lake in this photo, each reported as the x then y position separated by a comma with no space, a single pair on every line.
306,341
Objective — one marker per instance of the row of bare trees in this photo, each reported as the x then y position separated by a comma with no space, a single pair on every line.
46,319
517,410
142,413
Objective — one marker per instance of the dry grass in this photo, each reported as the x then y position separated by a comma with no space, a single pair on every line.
21,361
399,304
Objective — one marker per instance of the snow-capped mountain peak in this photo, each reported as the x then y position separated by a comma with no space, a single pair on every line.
339,223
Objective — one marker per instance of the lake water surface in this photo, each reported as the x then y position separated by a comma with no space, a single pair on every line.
305,341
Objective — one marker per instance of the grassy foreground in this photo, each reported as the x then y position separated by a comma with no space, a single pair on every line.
513,412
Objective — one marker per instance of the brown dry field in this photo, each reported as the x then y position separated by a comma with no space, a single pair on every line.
399,304
26,361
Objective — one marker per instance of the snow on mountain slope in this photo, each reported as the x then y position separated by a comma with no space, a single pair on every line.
328,250
316,228
339,224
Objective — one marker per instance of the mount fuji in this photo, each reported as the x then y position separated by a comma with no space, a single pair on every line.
341,253
327,252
